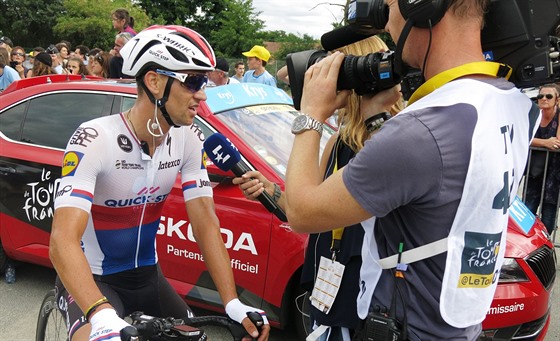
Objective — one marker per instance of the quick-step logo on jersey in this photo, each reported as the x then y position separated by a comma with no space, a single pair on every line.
478,266
70,163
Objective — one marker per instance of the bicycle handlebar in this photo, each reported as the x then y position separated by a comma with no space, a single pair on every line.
144,327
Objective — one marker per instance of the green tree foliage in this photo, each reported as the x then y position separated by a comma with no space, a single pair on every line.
236,29
198,15
29,22
88,22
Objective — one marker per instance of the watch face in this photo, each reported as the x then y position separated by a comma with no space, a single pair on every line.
299,123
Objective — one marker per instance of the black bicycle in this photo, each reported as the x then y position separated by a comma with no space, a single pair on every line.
51,325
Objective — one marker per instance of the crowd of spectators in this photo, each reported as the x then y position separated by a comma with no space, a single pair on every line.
61,58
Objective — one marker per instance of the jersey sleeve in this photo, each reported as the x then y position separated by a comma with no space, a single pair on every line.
83,160
194,176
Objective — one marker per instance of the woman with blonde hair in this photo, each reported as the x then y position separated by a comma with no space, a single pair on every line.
356,125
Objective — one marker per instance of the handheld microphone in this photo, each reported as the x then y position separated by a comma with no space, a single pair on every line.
226,157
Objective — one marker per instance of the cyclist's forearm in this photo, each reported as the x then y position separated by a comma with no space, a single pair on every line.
217,261
68,257
206,230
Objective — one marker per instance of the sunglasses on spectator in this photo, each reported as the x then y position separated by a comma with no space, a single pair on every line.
18,54
548,96
194,82
99,58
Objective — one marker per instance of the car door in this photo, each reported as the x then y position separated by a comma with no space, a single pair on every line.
34,135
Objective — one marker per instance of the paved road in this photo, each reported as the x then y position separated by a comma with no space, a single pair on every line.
19,306
20,303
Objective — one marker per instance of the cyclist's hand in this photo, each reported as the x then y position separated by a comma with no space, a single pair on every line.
239,312
106,325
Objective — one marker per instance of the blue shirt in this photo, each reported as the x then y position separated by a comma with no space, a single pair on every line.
263,78
8,77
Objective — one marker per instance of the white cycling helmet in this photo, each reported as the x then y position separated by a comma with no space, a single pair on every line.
170,47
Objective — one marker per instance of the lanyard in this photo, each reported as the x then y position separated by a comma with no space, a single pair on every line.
475,68
336,233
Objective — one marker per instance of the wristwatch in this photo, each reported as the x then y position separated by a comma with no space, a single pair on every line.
304,122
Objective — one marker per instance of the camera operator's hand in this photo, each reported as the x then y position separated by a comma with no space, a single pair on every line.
381,101
320,98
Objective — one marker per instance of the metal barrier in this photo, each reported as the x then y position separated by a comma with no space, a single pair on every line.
545,175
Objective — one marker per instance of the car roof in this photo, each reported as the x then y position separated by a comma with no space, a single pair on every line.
68,82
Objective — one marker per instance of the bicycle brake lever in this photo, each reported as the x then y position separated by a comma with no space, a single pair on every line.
129,333
256,318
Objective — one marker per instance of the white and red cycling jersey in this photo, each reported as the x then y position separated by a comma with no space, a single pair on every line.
105,173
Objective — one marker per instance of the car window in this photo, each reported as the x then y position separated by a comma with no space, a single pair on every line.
10,121
52,119
267,129
127,103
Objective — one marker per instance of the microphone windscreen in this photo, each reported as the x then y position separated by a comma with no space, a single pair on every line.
345,35
221,151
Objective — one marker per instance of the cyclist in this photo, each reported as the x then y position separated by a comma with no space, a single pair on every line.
117,172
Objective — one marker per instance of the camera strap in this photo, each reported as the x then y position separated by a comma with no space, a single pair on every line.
474,68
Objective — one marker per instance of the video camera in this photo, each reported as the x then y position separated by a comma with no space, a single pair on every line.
518,33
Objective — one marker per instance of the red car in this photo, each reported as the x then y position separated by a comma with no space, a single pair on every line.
38,116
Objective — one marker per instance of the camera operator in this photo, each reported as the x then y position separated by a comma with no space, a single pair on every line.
440,175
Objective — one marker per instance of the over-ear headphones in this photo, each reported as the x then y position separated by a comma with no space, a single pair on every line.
422,12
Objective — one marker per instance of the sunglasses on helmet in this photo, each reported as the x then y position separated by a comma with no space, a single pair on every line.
548,96
194,82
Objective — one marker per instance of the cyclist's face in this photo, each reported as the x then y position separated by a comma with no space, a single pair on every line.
183,103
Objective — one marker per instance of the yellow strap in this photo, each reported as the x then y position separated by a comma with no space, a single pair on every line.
337,233
475,68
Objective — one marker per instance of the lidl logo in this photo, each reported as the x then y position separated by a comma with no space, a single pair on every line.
204,160
70,163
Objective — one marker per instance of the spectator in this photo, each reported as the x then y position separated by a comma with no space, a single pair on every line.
93,52
115,68
220,74
18,61
56,61
342,318
7,73
63,53
257,58
82,51
546,137
122,21
6,43
444,171
31,61
76,66
100,65
42,65
239,71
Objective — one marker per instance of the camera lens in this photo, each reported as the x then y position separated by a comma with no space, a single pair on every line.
367,74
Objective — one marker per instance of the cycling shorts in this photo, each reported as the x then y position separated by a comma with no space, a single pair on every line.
142,289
